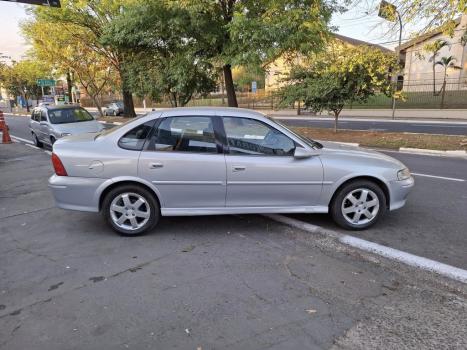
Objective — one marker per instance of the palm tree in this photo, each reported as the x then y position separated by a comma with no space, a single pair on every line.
434,48
446,63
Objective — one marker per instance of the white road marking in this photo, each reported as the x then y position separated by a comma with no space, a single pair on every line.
21,139
439,177
32,146
375,248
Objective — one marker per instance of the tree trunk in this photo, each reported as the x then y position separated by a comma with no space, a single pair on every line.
299,111
128,106
336,117
434,77
443,92
229,86
69,84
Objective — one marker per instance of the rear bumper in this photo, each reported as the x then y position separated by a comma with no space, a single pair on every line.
76,193
399,190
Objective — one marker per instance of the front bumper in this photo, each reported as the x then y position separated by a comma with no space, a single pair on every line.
399,190
76,193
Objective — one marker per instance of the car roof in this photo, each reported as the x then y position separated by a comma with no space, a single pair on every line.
227,111
61,106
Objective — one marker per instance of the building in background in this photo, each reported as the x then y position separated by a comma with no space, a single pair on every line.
280,68
418,67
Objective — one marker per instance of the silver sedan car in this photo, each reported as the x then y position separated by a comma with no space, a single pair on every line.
207,161
48,123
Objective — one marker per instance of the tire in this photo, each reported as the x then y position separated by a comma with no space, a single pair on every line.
114,113
105,113
349,209
52,140
36,141
129,213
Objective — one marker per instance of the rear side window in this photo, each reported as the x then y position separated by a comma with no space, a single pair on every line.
185,134
43,116
134,139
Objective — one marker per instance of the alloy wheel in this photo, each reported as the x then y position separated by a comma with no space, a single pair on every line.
130,211
360,206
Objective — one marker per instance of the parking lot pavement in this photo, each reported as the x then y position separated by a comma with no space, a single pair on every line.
227,282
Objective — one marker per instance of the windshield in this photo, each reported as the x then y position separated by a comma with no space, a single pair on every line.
69,115
115,128
304,139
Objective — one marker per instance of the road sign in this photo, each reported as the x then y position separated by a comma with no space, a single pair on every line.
45,82
253,86
51,3
387,11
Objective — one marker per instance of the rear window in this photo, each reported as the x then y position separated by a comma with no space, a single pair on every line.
69,115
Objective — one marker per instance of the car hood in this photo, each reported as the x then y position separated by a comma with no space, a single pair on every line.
79,127
349,150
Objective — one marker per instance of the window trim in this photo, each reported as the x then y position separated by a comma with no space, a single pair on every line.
148,136
219,146
227,146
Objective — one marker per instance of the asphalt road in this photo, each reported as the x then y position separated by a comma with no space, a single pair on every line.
226,282
427,127
19,125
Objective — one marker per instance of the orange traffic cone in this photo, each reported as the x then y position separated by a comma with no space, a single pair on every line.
6,135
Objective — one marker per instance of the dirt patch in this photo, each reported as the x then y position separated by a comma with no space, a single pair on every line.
391,140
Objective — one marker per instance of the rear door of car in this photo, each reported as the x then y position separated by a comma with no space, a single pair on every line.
262,170
184,160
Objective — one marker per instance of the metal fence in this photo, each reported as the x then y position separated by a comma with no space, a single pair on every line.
414,95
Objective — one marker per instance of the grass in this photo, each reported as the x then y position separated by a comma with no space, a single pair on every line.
388,140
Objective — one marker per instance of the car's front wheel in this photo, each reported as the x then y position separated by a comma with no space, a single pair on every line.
358,205
36,141
130,210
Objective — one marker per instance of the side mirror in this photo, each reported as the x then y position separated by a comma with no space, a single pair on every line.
302,153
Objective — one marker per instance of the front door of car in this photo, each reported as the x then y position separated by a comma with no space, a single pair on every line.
44,127
261,168
184,160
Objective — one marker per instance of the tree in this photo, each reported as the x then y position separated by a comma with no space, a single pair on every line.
342,75
59,49
92,17
251,32
20,79
166,56
446,63
434,48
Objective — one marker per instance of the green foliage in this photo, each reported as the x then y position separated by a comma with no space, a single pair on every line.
85,21
165,41
430,14
340,76
21,77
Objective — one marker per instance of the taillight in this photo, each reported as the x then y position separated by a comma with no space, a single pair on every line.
58,166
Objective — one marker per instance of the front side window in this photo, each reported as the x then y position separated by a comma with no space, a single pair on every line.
253,137
69,115
185,134
134,139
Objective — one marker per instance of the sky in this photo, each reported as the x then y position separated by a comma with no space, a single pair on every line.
354,23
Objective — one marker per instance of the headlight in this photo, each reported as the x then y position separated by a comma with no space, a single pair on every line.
403,174
65,134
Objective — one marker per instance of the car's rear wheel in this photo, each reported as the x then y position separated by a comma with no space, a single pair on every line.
358,205
36,141
131,210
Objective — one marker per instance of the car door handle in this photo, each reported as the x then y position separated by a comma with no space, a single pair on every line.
238,167
155,165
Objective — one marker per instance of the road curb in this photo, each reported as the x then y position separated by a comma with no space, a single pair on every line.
400,256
